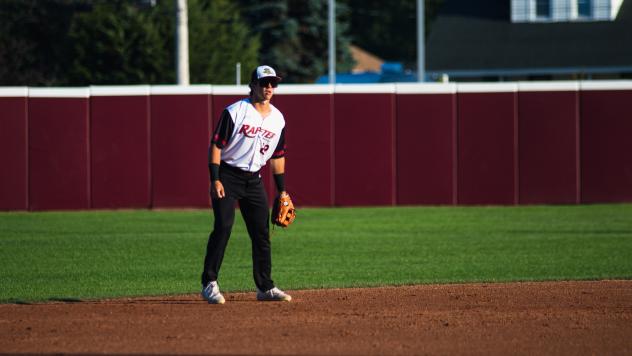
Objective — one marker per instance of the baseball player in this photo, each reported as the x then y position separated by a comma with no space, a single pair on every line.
249,133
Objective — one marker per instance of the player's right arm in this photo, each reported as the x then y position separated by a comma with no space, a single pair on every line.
221,136
217,188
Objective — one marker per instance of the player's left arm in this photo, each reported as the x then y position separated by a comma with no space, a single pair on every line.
278,172
277,164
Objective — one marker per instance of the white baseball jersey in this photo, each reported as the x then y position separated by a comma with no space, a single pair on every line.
247,139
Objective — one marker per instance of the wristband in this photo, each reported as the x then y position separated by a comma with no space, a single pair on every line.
279,180
213,169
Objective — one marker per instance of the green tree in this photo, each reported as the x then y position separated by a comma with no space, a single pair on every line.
81,42
218,39
117,43
34,47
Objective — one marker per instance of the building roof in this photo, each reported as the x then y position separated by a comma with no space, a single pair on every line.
365,61
477,38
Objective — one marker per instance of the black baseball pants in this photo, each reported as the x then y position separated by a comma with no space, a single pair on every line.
247,189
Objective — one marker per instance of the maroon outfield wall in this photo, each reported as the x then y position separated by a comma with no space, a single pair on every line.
308,113
224,96
548,143
180,125
59,162
119,136
348,145
14,149
606,142
487,144
426,144
364,151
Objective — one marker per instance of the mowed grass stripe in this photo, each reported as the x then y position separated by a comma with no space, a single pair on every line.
97,254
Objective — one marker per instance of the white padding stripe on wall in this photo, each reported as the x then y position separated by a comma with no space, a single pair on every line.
549,86
297,89
304,89
14,92
486,87
122,90
364,88
425,88
230,90
606,85
198,89
59,92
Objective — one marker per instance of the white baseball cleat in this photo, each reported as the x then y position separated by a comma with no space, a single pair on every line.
211,293
273,295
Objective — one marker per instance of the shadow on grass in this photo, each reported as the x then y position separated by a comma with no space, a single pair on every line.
64,300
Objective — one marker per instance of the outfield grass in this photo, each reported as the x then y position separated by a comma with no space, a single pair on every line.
79,255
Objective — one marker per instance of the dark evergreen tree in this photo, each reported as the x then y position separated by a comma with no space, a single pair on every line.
294,36
280,44
313,31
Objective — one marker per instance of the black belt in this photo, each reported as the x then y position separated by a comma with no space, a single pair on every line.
238,171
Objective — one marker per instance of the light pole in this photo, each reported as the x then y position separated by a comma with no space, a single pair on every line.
332,41
421,40
182,43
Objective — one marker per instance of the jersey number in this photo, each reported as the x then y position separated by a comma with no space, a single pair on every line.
264,149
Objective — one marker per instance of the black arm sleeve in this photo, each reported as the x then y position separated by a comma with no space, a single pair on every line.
279,180
224,130
280,149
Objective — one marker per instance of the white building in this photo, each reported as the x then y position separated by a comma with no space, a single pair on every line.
564,10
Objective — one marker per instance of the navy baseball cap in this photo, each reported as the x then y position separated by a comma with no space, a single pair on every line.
264,72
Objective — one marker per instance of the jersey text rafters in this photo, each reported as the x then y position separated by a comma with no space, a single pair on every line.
251,131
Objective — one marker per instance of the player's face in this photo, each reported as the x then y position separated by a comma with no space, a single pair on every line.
265,88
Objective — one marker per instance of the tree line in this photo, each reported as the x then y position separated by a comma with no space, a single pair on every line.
100,42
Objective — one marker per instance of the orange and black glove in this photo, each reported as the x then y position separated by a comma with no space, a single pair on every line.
283,212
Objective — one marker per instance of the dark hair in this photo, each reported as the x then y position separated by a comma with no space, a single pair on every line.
253,76
253,80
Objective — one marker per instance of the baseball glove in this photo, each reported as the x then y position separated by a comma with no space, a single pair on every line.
283,212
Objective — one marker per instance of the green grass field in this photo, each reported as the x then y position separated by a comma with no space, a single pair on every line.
84,255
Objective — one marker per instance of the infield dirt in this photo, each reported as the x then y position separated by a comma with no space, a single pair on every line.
555,318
